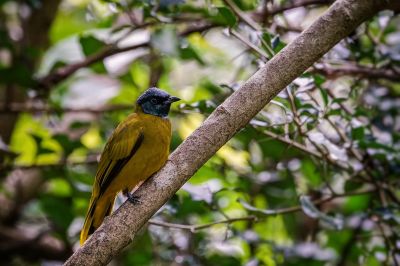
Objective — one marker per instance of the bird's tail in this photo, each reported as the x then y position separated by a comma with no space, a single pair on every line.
99,207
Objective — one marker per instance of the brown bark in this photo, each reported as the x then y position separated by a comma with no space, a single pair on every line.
118,230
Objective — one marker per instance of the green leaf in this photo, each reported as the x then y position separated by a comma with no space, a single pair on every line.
59,187
266,37
350,185
356,203
221,260
17,74
140,76
339,100
189,53
90,44
277,46
79,125
338,239
376,145
68,144
358,133
227,16
334,112
39,147
324,95
69,23
311,173
143,255
58,209
319,79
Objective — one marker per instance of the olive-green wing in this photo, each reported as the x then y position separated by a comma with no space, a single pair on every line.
121,146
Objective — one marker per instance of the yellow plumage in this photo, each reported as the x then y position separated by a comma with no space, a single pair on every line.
138,148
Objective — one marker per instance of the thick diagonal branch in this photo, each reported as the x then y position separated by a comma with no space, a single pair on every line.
232,115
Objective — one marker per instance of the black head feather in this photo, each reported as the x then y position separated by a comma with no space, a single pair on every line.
156,102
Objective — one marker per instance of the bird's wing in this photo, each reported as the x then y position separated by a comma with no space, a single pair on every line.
121,146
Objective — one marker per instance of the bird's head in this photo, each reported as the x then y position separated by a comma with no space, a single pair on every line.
156,102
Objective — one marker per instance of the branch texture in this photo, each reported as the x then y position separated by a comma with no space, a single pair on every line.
361,71
118,230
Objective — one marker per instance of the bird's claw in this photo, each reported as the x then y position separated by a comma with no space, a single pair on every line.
132,199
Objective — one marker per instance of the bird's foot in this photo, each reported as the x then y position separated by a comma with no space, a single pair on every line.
131,198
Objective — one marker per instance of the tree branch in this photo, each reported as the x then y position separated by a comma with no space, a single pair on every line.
28,108
92,159
356,70
194,228
64,72
298,208
296,4
241,15
118,230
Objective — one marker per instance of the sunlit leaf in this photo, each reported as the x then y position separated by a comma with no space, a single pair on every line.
59,187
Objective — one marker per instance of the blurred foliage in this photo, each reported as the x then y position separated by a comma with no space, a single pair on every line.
312,180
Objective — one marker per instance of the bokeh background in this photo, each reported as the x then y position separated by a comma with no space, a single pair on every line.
312,180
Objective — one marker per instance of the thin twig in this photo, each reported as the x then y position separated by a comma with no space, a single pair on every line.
194,228
356,70
90,160
17,108
254,25
290,142
64,72
249,44
299,208
296,4
242,16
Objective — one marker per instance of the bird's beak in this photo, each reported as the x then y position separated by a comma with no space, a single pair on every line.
173,99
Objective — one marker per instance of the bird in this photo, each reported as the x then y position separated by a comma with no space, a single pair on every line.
138,147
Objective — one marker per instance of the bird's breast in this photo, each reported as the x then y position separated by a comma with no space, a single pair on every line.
157,133
152,153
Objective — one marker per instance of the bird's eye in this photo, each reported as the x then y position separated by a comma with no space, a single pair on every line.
154,101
